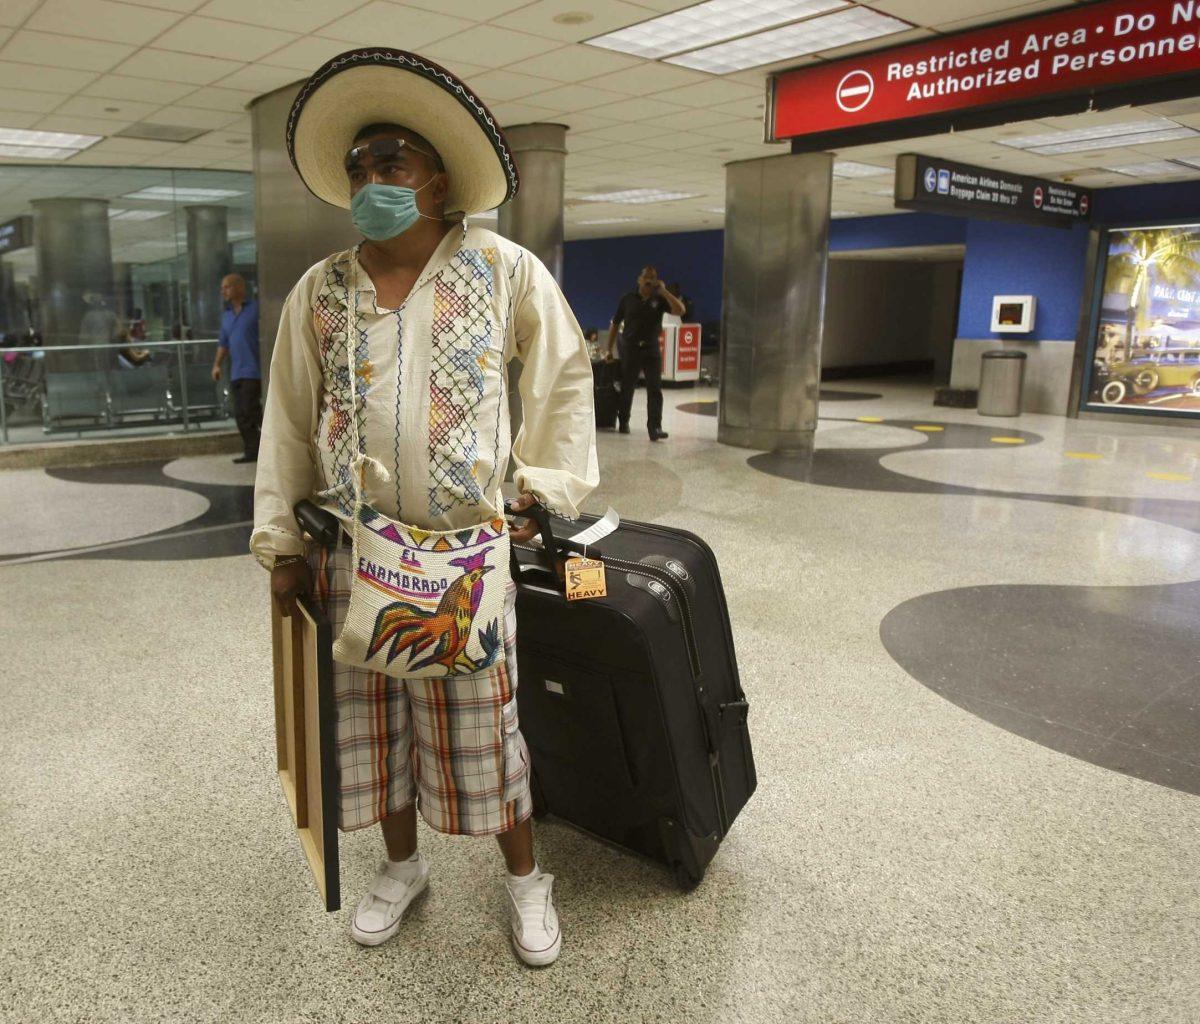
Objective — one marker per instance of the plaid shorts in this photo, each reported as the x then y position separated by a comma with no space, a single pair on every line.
451,744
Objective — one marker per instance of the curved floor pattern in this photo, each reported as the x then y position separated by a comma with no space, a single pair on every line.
221,529
861,469
1105,674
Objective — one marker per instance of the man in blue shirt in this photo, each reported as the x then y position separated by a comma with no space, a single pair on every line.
239,341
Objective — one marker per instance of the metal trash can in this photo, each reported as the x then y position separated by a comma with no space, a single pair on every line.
1001,377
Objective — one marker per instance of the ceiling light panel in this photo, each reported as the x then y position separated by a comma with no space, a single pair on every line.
116,213
1157,169
609,220
853,169
36,152
1101,136
638,195
707,23
60,140
169,194
854,25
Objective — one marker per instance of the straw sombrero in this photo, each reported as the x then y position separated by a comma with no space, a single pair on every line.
378,85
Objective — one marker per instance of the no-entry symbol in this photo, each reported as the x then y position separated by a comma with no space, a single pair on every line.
1083,204
1038,197
855,90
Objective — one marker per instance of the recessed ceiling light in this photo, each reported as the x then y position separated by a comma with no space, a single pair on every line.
572,18
853,169
36,152
1158,169
116,213
638,195
1101,136
33,145
172,194
854,25
708,23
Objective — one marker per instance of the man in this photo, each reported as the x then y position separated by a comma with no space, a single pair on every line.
440,307
639,318
239,341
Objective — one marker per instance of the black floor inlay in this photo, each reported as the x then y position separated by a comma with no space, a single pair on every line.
1110,675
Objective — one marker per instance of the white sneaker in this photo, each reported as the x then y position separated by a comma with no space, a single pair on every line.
380,911
536,934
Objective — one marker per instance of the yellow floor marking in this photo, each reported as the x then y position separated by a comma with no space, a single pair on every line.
870,419
929,429
1008,440
1083,455
1175,478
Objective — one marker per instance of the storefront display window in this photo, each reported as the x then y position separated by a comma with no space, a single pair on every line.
1145,340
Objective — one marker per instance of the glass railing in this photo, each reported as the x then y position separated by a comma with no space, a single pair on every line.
138,387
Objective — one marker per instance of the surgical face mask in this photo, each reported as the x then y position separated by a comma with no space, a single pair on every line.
381,212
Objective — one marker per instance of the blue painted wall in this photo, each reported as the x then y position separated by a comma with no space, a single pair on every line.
892,232
1020,259
1001,259
598,271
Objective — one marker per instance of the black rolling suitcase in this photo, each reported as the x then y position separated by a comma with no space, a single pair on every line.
631,704
604,393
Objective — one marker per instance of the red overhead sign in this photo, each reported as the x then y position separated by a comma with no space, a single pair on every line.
1097,46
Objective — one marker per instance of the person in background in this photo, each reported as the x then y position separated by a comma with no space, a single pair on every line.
239,341
592,338
639,318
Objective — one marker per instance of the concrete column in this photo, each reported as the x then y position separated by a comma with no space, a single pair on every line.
123,291
9,313
776,242
534,218
208,262
74,260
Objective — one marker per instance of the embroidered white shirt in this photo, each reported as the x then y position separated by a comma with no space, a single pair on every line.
431,385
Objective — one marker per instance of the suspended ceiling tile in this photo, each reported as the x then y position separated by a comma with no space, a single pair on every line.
258,78
213,98
538,18
751,106
119,87
176,67
492,47
309,53
61,80
14,12
575,63
745,130
894,39
101,19
692,118
127,111
709,94
213,37
287,14
392,25
682,140
57,51
584,121
194,117
81,125
649,79
638,109
17,118
954,22
497,86
179,6
131,147
31,102
630,132
573,97
476,10
584,144
521,113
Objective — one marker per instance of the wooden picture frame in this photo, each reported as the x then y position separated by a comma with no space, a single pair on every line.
305,736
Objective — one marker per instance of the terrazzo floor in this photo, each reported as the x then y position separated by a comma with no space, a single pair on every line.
910,856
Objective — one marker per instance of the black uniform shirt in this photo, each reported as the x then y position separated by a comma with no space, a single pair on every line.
642,318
